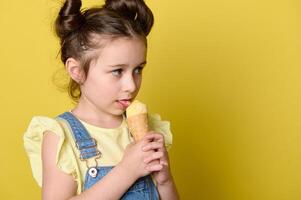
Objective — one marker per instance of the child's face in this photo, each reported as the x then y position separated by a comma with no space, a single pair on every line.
115,75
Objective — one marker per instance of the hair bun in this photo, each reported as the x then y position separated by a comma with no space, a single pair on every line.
69,19
135,10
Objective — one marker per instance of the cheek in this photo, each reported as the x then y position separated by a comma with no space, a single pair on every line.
108,85
97,84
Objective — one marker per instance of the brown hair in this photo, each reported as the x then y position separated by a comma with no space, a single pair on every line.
78,29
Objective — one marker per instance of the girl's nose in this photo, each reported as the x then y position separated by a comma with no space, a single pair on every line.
130,84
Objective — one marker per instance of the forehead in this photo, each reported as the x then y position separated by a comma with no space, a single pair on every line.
127,51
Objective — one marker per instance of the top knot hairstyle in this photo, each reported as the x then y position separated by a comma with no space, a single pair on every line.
77,29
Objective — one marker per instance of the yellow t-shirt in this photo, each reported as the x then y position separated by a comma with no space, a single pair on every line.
110,142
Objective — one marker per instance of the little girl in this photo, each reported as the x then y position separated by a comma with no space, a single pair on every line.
88,152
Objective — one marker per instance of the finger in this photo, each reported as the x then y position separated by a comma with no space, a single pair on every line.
152,146
153,168
163,162
154,156
154,136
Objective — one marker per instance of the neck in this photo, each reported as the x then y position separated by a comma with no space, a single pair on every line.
90,114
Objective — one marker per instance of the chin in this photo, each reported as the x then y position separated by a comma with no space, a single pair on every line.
118,112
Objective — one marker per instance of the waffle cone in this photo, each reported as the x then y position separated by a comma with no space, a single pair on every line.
138,125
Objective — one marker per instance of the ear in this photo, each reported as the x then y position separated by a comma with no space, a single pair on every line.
75,70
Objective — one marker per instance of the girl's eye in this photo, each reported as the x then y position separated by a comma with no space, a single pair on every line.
117,72
138,70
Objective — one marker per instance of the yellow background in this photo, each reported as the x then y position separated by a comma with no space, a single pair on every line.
227,74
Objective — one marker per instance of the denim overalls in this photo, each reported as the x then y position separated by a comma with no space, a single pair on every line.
143,188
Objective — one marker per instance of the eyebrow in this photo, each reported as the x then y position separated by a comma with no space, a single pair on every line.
124,65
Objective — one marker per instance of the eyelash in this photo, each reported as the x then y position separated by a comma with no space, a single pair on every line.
120,71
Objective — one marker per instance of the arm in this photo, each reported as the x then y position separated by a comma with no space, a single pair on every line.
165,183
58,185
168,191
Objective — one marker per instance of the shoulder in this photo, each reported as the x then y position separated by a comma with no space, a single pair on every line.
39,124
45,135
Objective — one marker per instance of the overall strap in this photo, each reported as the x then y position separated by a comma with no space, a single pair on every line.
84,142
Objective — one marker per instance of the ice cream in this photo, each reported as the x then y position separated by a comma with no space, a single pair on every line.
137,119
138,122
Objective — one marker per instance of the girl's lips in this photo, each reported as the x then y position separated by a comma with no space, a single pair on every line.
124,103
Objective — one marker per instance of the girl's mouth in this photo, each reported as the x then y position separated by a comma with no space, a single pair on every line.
124,103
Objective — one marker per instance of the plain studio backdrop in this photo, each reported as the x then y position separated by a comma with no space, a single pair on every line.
227,74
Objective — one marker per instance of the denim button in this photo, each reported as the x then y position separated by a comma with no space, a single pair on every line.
92,172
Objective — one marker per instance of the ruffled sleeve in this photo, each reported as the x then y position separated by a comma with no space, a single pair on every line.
33,143
160,126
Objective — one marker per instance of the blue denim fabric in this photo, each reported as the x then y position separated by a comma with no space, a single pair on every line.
143,189
85,144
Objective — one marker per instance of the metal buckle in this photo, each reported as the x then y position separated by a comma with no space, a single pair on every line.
98,155
92,170
77,145
96,163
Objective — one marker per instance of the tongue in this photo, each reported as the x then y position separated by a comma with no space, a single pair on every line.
125,102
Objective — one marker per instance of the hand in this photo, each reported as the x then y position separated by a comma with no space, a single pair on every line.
157,145
133,159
